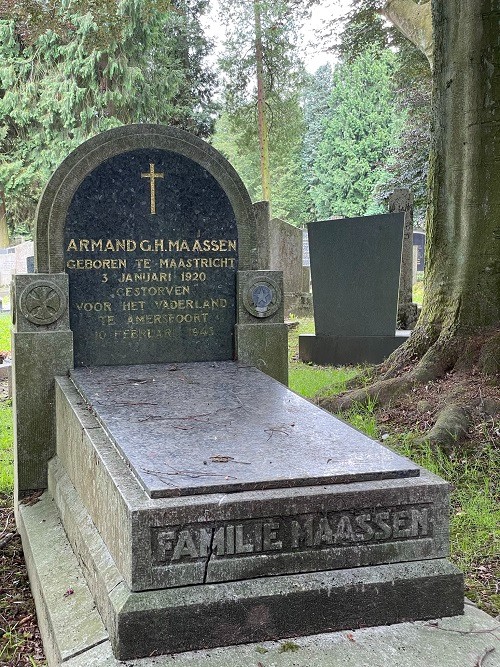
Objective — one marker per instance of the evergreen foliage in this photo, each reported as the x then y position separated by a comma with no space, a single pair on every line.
408,164
236,133
316,109
358,133
85,67
237,139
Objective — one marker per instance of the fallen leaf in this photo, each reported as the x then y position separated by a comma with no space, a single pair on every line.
219,458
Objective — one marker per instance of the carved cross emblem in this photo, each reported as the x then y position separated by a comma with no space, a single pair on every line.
152,176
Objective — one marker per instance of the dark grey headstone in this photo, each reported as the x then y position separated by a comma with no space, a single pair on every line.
355,265
30,264
177,425
152,271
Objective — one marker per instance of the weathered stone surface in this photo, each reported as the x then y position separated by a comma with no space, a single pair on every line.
40,303
415,644
69,622
341,350
192,617
264,347
174,424
164,542
262,609
401,201
419,242
42,347
285,243
355,265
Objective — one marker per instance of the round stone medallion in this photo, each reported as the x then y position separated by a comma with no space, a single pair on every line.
42,302
262,297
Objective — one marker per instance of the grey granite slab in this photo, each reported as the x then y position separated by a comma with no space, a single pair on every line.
222,427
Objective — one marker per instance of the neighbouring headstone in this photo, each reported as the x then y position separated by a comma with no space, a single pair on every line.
401,201
285,242
200,502
419,241
355,266
285,247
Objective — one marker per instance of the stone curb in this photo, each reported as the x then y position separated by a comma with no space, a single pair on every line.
73,634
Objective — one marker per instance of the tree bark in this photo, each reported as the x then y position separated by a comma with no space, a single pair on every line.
4,231
261,106
462,289
462,280
414,21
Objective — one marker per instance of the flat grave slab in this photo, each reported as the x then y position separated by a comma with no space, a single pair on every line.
222,427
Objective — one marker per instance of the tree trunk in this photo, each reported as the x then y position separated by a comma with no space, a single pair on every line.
462,289
4,231
462,279
414,21
261,106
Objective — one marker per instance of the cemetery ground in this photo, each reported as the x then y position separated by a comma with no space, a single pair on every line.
472,467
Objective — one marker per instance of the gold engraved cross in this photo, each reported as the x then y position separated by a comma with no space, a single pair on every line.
152,176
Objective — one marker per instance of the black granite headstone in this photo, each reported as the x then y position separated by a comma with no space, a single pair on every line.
151,249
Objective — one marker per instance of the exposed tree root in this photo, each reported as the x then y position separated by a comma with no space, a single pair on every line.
422,340
381,392
417,363
451,427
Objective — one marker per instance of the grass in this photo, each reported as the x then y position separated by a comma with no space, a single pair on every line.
308,380
473,475
475,511
418,291
5,323
6,455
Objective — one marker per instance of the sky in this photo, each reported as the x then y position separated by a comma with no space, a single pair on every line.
312,54
328,9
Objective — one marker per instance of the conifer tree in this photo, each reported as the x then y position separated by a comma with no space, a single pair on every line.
358,133
86,67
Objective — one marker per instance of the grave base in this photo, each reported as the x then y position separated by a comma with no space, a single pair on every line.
341,350
354,547
189,618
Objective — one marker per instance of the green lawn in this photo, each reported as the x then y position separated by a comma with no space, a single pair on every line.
5,332
6,460
473,474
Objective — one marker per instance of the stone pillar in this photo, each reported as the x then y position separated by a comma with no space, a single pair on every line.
261,335
42,348
401,201
262,218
